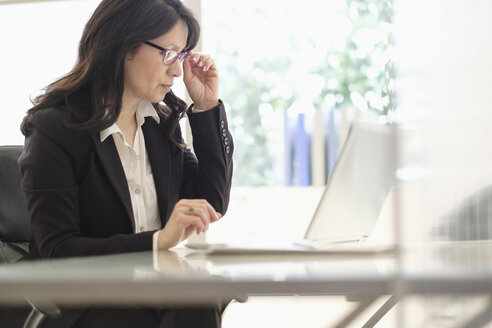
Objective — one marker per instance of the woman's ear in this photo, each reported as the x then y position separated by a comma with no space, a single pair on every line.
131,54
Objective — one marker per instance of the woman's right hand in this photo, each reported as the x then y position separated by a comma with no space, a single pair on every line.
188,216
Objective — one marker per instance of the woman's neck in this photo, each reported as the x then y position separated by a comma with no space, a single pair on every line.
127,121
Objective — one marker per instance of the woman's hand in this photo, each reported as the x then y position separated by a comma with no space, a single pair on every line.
188,216
202,80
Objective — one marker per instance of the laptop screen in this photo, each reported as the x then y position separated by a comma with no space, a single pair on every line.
358,186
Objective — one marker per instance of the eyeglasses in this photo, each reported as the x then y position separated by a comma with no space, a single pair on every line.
170,56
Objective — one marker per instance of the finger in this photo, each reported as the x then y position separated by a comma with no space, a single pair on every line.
199,209
187,69
203,62
193,58
193,61
212,215
190,220
211,211
204,216
188,232
209,63
193,66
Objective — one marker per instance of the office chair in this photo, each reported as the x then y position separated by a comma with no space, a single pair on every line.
15,229
470,219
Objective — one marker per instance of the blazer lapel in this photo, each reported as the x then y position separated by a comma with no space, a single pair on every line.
159,155
110,160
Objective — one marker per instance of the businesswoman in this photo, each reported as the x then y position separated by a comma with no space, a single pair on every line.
104,166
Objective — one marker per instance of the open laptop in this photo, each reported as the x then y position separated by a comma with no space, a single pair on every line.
351,202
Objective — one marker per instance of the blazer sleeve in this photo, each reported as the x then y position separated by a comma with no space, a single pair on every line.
48,165
209,175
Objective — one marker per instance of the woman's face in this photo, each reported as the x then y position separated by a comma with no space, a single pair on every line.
146,76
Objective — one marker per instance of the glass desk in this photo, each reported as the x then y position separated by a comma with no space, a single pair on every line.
184,276
189,277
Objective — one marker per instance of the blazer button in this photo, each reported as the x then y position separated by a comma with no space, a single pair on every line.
227,149
224,132
222,124
226,141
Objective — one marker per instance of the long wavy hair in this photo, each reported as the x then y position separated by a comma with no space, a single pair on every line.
92,91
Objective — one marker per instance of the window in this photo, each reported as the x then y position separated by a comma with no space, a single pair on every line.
284,68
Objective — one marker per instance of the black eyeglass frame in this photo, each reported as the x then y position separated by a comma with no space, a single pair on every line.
179,55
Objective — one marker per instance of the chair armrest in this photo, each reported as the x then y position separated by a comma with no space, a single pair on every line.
41,310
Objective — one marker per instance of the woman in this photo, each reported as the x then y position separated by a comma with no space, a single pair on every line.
104,165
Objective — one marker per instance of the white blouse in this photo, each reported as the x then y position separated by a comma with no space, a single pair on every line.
138,172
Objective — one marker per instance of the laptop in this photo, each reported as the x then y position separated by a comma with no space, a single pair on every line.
351,202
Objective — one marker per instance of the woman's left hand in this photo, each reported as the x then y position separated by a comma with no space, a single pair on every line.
202,80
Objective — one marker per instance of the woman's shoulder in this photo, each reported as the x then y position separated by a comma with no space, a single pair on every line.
55,123
52,120
50,117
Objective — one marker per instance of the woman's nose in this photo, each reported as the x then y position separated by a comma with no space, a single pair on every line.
176,69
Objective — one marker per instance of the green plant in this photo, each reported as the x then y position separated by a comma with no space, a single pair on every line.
289,71
359,74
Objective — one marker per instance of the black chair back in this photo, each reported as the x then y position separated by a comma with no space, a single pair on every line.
15,228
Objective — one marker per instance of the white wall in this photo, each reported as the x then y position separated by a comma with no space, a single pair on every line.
39,44
444,78
444,89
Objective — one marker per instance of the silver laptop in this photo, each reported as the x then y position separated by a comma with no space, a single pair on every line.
351,202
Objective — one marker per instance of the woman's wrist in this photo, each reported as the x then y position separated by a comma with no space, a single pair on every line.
161,240
205,105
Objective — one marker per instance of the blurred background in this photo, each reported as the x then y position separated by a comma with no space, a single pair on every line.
294,75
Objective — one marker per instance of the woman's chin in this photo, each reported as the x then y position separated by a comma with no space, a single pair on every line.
156,98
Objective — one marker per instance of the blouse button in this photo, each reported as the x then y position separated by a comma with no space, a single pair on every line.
137,190
142,228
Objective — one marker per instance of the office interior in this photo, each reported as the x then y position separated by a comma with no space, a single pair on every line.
423,67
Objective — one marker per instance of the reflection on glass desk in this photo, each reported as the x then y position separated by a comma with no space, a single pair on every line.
463,267
183,276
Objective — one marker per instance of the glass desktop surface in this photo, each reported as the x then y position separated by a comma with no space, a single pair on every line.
183,276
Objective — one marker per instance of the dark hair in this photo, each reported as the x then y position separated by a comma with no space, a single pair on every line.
92,91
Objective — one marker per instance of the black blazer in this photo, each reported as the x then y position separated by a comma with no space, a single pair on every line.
76,190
